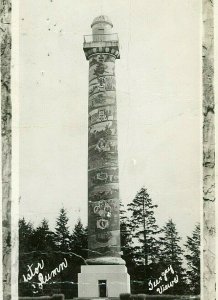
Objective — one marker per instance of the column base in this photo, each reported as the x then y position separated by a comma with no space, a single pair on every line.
103,281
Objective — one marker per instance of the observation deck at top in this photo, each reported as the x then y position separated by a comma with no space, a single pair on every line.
102,40
101,43
94,38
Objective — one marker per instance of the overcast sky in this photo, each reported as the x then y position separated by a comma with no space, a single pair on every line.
158,96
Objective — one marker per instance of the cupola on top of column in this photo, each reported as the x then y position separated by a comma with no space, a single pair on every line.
101,25
102,39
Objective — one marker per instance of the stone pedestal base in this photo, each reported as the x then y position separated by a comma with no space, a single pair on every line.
115,278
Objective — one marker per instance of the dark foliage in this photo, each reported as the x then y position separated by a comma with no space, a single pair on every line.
127,245
147,250
144,228
144,232
172,255
79,240
62,234
193,260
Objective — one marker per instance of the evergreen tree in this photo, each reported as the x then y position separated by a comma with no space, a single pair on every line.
171,250
78,248
193,260
62,235
26,231
144,231
43,237
172,254
79,240
144,228
126,239
26,254
127,245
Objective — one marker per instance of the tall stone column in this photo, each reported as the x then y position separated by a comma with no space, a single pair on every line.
103,172
101,50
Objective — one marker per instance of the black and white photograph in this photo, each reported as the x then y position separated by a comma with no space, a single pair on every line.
110,150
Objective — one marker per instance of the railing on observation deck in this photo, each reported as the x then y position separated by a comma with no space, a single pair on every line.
111,37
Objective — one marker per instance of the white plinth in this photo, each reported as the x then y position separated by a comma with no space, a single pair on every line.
116,276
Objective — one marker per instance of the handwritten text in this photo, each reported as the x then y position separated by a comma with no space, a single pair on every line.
162,283
43,278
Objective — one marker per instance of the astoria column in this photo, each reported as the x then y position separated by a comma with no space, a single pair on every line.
103,172
104,256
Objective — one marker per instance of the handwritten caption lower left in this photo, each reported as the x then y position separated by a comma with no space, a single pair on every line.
33,271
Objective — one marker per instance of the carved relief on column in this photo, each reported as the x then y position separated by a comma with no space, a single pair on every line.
103,175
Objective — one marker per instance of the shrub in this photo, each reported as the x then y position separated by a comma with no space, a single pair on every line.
125,296
141,297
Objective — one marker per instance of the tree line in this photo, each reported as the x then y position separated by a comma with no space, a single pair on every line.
147,248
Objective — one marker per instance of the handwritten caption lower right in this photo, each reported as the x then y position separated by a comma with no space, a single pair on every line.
162,283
